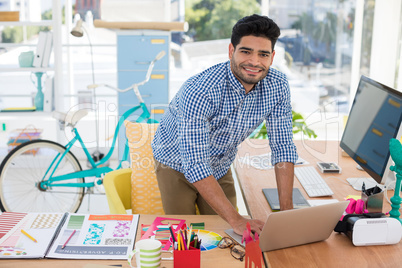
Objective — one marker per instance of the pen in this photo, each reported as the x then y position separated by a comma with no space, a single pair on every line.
195,241
185,235
192,237
30,237
171,233
68,239
189,235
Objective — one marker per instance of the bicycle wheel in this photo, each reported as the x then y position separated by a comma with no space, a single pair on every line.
22,171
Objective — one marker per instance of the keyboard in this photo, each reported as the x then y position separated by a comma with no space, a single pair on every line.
312,182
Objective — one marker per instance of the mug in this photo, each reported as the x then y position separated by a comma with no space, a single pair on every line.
147,253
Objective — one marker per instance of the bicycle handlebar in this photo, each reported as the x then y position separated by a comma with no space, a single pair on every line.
134,86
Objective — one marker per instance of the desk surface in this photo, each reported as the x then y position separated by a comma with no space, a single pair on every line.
338,250
212,258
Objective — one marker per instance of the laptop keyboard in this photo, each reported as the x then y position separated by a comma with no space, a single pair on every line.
312,182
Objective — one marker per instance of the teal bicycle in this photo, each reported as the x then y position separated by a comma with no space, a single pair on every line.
45,176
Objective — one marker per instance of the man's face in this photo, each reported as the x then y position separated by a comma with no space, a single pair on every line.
251,59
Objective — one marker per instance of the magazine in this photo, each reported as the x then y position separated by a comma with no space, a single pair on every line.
67,236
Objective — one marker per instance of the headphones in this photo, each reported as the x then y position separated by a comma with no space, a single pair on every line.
356,206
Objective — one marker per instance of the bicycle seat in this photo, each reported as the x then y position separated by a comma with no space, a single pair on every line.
71,117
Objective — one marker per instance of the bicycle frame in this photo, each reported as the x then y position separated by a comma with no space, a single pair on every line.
97,170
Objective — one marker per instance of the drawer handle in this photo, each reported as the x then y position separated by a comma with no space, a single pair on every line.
157,76
157,111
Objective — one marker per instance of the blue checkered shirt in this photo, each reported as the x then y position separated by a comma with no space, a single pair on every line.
211,115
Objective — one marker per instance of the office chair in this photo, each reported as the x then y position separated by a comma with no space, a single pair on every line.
118,190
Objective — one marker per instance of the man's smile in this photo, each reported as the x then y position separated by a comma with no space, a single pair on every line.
253,70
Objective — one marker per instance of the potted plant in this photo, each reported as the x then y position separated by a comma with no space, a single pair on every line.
299,125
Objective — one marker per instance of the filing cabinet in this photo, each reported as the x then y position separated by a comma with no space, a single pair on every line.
135,51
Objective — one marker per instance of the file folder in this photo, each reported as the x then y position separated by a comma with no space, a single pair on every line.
48,49
40,49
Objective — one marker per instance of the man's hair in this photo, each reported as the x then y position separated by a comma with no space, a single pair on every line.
255,25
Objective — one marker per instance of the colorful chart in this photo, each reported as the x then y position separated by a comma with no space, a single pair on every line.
210,239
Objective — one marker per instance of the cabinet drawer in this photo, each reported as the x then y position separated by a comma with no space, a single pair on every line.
136,52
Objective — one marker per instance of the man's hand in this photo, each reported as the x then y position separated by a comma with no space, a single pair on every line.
212,192
256,226
284,172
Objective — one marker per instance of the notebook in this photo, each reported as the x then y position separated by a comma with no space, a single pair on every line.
271,194
295,227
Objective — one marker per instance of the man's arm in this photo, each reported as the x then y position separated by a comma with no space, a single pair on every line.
212,192
284,172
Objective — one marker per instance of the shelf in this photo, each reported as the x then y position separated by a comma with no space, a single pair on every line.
31,69
5,45
27,23
12,115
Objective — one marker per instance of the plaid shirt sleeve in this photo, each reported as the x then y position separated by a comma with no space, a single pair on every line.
194,133
279,127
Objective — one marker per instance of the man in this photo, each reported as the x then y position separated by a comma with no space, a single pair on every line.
212,113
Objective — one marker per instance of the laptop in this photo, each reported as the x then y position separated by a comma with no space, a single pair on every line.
295,227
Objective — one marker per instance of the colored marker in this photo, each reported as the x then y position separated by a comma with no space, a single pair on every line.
68,239
30,237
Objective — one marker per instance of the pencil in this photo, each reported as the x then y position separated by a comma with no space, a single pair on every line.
178,241
30,237
184,241
68,239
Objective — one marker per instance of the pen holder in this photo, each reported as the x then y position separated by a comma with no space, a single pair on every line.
373,202
187,258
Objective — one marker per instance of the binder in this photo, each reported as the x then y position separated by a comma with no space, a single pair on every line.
48,49
40,49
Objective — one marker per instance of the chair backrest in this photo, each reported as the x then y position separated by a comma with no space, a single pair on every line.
118,190
145,194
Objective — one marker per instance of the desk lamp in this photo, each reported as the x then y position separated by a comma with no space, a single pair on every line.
395,149
78,31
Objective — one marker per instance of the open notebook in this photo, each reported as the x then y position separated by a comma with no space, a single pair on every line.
66,236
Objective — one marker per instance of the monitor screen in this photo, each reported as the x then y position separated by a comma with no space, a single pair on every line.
375,118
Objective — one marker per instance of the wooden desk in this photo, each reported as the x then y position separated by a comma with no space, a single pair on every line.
213,258
338,250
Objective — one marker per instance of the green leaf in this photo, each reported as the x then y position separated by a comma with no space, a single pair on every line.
299,125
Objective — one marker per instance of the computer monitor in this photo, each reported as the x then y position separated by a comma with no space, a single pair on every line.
375,117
